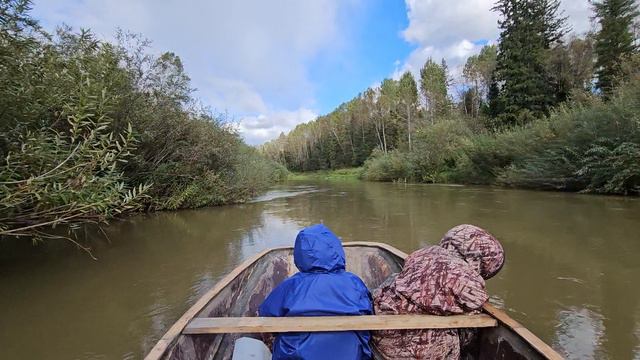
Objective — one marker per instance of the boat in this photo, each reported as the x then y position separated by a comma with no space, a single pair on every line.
209,329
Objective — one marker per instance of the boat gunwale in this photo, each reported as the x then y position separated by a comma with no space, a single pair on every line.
168,339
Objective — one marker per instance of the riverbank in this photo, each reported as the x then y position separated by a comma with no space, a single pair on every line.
100,129
361,174
587,146
348,174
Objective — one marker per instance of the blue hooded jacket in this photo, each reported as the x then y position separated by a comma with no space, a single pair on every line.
321,288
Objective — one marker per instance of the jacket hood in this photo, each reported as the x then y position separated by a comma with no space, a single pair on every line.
317,249
477,247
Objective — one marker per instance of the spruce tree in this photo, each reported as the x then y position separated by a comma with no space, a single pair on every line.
614,41
495,106
528,29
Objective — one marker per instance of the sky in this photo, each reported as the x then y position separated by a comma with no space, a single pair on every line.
271,65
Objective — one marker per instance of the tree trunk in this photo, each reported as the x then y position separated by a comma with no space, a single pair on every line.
384,137
378,131
409,125
338,141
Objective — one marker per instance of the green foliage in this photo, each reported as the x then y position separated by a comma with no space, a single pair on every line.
349,174
615,41
587,145
528,30
67,177
612,169
434,86
478,72
383,118
571,67
392,166
529,115
480,160
408,104
91,130
253,173
346,137
592,148
408,90
438,150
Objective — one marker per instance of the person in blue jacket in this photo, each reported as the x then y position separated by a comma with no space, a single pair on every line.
321,288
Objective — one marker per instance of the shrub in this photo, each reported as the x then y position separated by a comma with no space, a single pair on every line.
437,149
91,129
67,178
612,169
592,147
392,166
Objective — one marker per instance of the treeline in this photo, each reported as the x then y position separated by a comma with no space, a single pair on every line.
91,129
541,109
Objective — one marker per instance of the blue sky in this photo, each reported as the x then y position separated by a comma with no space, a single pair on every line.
274,64
375,46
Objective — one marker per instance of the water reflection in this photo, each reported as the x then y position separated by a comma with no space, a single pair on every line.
281,192
570,276
637,351
579,333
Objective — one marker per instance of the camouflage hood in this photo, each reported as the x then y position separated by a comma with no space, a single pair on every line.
477,247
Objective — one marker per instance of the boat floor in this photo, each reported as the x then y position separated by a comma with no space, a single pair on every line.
241,292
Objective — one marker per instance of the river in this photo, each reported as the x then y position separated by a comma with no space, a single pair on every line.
571,274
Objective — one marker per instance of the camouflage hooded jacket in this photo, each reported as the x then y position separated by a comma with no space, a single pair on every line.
437,280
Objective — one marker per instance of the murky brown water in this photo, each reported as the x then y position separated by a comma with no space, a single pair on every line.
571,275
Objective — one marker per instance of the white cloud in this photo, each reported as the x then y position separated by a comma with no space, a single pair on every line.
455,54
247,57
233,94
453,29
260,128
252,57
442,23
580,14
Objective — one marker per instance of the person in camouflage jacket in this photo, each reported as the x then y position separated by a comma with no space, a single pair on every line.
447,279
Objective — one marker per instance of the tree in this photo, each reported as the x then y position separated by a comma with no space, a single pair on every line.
550,21
571,67
478,72
614,41
495,106
90,130
408,92
389,110
167,80
528,30
434,83
21,58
